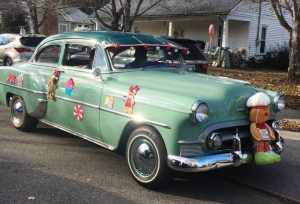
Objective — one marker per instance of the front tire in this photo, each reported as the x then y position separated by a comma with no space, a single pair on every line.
147,158
19,117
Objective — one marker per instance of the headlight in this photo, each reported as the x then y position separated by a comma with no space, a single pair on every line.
199,112
279,102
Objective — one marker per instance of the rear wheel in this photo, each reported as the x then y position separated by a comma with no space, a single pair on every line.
19,117
147,158
7,61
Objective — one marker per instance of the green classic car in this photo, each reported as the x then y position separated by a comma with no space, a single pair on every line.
131,92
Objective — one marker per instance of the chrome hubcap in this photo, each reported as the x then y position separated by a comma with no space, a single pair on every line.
17,112
143,158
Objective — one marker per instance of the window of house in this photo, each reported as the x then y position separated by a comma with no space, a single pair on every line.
220,33
49,54
263,39
62,27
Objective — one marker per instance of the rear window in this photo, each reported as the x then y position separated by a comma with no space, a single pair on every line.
31,41
195,52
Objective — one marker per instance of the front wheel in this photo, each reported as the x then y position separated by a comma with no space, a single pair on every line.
19,117
147,158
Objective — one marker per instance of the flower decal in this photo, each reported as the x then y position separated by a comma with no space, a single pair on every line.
11,78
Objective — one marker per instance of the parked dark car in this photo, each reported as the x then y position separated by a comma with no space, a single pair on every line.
195,60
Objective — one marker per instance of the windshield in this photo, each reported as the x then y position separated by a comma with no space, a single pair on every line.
139,57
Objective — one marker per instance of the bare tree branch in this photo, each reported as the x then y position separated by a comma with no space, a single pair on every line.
279,15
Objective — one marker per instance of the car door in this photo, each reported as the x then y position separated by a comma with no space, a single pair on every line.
78,90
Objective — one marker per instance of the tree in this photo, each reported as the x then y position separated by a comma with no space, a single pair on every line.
35,11
123,13
292,8
11,23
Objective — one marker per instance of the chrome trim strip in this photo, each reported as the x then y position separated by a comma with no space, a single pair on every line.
24,89
211,128
96,107
136,119
78,134
78,102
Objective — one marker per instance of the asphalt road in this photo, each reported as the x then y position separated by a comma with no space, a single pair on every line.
51,166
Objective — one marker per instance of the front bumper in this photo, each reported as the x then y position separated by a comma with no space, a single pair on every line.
216,161
206,163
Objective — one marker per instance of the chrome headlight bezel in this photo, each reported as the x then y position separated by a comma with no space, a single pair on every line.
199,112
279,102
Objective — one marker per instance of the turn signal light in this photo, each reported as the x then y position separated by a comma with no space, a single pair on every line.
204,66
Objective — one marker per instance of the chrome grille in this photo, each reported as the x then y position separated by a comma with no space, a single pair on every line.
190,150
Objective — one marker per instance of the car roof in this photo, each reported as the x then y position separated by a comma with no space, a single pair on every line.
113,38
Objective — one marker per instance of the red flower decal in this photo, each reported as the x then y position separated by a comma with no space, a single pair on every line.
11,78
78,112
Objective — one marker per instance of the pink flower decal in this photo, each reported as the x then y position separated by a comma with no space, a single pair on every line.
11,78
78,112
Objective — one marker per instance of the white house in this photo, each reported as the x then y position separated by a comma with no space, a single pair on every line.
239,23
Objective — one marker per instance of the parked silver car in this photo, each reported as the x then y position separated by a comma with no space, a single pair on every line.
16,48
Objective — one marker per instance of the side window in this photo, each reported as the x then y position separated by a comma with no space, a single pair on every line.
1,37
100,60
79,55
49,54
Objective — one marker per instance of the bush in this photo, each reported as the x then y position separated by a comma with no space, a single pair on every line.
277,58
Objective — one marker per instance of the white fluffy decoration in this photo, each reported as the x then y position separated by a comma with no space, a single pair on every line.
258,99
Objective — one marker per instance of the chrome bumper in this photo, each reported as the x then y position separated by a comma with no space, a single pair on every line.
206,163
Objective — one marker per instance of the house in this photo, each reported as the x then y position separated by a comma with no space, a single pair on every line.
66,20
239,24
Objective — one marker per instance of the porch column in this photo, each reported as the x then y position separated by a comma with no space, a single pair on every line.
170,29
225,34
225,62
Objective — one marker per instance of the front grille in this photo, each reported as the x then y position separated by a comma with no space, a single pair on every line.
188,150
193,150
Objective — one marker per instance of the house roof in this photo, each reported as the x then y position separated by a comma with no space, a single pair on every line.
74,15
193,7
184,8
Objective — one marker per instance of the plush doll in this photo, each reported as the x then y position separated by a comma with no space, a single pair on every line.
261,133
130,99
52,85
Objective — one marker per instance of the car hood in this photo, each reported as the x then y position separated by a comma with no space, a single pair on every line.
227,97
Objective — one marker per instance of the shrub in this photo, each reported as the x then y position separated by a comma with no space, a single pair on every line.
277,58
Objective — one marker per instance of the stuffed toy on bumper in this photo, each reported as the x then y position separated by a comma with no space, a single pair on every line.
262,134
